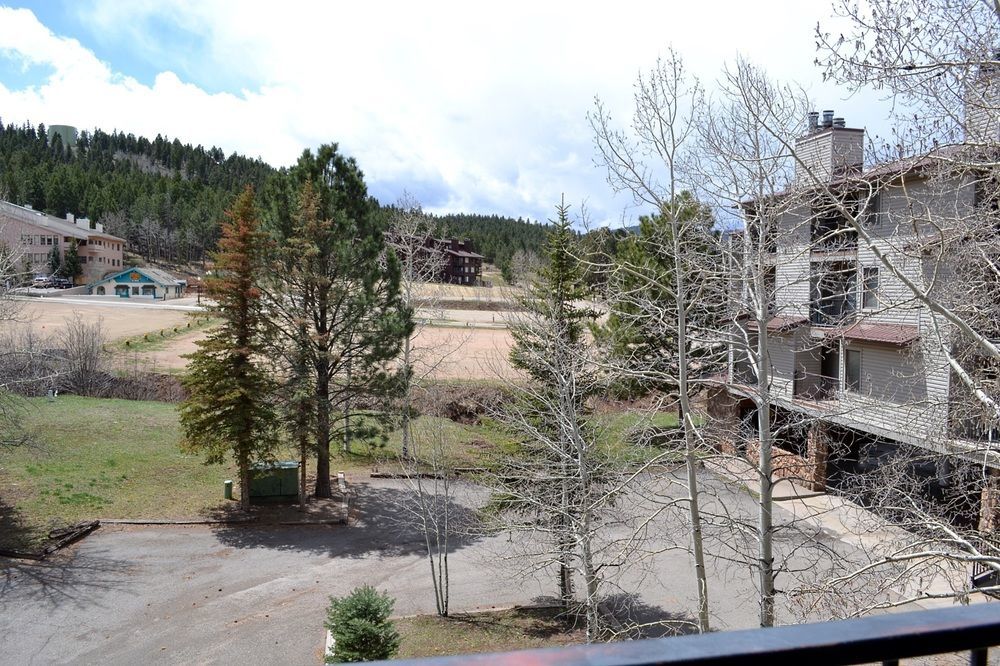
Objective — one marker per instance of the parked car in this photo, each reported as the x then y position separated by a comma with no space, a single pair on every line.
62,283
41,282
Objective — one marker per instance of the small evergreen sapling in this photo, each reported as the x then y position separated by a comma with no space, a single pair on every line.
360,626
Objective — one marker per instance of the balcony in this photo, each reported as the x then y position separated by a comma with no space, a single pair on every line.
884,638
831,232
814,387
834,293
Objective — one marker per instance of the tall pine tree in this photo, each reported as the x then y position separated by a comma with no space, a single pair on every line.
343,285
557,451
229,408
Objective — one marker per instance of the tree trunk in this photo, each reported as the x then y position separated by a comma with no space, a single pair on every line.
303,458
323,487
407,400
765,521
684,410
347,411
563,544
244,468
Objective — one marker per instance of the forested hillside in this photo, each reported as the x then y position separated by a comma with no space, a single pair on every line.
166,198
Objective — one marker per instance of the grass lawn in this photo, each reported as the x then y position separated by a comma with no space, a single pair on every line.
99,458
478,445
102,459
515,629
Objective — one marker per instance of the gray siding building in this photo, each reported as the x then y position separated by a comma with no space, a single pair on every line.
851,351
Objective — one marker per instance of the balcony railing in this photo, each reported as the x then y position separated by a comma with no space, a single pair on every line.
884,638
814,387
832,315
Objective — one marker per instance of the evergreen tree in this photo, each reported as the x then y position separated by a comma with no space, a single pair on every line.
554,296
549,345
342,283
72,267
55,261
361,627
229,407
641,331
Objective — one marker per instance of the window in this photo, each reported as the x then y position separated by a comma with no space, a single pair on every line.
873,209
869,287
852,370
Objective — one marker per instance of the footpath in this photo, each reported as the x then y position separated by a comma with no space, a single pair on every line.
846,522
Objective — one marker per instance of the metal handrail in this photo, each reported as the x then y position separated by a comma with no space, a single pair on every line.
883,638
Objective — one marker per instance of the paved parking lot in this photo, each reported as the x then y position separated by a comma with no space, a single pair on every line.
256,595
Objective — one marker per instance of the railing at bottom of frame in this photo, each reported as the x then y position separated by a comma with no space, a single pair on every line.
885,638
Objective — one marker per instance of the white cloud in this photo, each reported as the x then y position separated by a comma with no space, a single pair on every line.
475,107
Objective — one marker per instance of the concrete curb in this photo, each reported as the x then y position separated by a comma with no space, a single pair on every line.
331,643
246,521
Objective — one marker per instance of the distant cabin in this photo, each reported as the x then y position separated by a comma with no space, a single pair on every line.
138,282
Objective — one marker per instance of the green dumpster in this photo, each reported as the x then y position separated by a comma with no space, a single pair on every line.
278,480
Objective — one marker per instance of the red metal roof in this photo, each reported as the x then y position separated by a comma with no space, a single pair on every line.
780,324
893,334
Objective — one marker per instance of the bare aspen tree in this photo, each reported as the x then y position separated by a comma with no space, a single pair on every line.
745,170
430,475
924,221
925,210
411,237
559,483
647,162
424,462
10,275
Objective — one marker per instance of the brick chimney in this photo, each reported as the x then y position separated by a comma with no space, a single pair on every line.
829,149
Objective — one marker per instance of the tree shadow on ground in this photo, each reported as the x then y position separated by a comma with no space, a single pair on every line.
16,533
64,579
381,523
626,617
638,619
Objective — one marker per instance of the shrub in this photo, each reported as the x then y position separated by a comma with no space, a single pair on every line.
360,626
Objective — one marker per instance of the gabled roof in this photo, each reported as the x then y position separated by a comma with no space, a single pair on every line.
155,274
162,277
464,253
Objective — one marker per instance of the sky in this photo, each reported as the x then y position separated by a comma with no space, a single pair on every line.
467,106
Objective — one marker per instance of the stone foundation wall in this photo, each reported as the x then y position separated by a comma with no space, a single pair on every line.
809,471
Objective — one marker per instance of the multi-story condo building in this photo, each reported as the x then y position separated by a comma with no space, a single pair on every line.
852,353
462,266
447,259
34,235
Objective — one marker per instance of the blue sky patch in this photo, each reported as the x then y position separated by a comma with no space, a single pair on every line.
148,44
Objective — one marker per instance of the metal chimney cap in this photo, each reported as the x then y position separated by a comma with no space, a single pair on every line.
839,122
